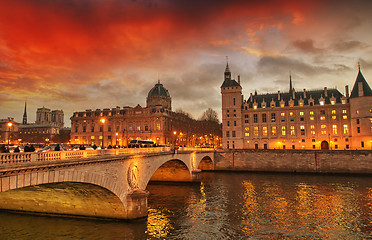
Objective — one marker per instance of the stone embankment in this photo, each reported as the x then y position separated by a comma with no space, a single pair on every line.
301,161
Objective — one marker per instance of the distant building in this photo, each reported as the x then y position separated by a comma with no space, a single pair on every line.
155,122
8,130
46,127
308,119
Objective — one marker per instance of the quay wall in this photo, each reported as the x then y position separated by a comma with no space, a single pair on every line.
301,161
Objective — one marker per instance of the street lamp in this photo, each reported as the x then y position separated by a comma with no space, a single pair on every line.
174,133
102,120
10,124
116,138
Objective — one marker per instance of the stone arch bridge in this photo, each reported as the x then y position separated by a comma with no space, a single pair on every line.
98,183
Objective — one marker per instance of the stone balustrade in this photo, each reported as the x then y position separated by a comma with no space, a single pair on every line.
11,158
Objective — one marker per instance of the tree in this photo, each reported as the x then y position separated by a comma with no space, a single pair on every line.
210,115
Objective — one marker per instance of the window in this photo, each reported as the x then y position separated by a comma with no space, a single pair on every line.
273,117
255,131
292,130
333,117
362,144
333,102
302,127
283,131
234,123
246,131
101,129
84,128
264,117
346,129
234,101
227,134
344,116
255,119
282,114
233,134
311,113
358,129
357,112
322,111
146,128
246,116
264,131
76,129
324,132
321,103
322,118
311,118
158,126
109,129
333,111
334,129
273,131
246,121
301,113
291,114
357,121
228,123
130,128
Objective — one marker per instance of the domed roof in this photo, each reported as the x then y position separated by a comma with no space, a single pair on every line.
158,90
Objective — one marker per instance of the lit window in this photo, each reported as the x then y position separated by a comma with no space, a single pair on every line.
312,118
283,130
312,132
334,128
344,116
333,111
301,113
346,129
333,102
254,106
264,131
323,126
321,103
247,131
333,117
158,126
322,118
282,105
255,131
344,111
343,101
301,104
247,134
311,113
357,111
273,131
291,114
324,132
282,114
312,126
292,130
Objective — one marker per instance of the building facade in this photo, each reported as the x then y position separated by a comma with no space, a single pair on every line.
118,126
308,119
45,129
8,130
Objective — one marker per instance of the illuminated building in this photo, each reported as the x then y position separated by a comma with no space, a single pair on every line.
8,130
155,122
308,119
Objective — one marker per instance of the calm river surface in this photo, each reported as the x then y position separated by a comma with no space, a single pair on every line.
227,206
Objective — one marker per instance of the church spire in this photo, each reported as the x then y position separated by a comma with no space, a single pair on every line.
290,83
24,121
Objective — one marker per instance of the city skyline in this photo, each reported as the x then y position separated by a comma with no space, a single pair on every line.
77,55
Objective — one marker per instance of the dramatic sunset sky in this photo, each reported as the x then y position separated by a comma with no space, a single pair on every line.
87,54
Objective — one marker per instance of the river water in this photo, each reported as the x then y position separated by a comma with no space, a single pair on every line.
227,206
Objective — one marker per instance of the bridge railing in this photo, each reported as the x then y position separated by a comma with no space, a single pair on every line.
10,158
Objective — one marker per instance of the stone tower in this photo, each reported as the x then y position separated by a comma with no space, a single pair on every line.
361,112
159,96
232,101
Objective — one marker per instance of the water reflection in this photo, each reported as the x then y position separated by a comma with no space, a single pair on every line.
227,206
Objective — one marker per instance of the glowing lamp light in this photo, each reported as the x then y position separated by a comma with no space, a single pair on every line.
102,120
10,124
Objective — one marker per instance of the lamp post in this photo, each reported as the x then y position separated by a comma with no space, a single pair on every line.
116,138
10,124
102,120
174,133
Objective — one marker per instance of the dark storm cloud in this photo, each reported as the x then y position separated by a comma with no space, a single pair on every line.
307,46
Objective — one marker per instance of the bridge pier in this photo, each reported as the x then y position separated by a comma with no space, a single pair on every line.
196,175
137,204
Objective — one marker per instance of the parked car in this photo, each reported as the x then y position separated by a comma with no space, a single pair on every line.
52,147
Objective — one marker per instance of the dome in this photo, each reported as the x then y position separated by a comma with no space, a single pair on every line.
159,96
158,90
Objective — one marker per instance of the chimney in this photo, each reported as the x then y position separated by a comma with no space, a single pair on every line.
347,91
360,89
278,95
325,92
239,79
304,93
251,98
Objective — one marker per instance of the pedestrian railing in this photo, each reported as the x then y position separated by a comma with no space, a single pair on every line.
11,158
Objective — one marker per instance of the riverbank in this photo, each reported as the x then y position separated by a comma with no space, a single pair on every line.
301,161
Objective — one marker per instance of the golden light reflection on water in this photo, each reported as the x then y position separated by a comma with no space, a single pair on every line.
158,223
249,208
